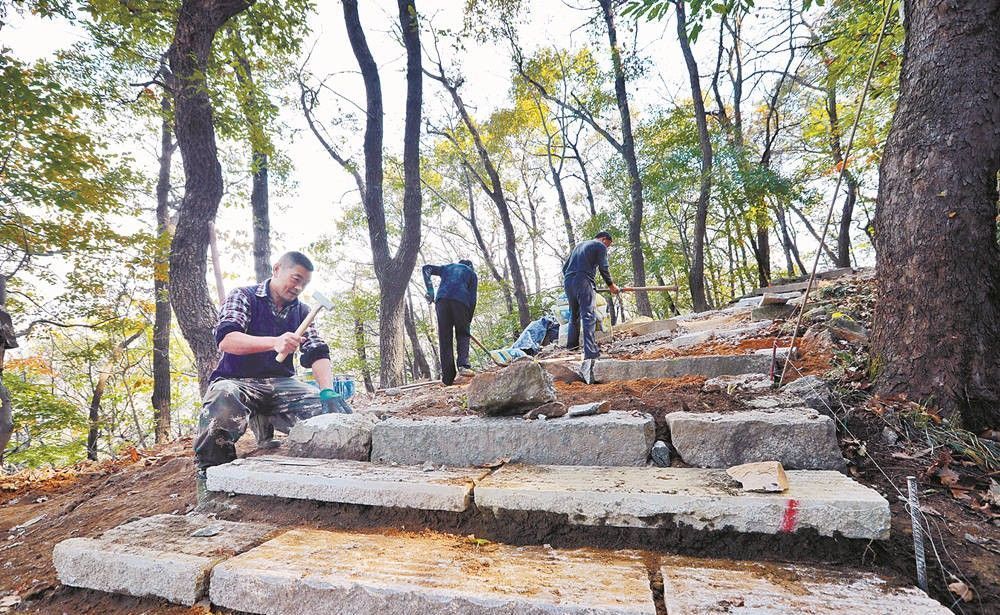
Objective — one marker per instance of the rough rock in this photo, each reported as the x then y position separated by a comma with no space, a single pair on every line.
774,311
784,589
780,354
703,499
799,438
647,327
778,298
746,330
689,339
844,328
738,382
333,436
155,556
774,402
660,454
763,476
614,438
551,410
589,409
325,573
521,384
563,371
813,392
348,482
710,366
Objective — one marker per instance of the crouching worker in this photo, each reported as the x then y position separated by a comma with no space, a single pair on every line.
249,388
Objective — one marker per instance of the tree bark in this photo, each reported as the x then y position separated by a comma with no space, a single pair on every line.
6,410
197,23
642,303
102,382
421,369
937,312
492,185
393,272
696,274
161,282
259,197
836,151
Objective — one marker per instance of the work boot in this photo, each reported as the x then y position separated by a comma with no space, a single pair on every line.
269,444
466,371
587,370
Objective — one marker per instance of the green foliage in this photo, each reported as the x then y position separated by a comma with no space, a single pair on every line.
48,429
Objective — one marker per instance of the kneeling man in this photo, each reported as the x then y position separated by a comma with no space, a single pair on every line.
249,387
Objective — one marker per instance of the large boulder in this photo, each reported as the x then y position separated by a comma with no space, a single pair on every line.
333,436
799,438
813,392
520,385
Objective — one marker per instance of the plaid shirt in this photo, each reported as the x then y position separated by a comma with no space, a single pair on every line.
235,316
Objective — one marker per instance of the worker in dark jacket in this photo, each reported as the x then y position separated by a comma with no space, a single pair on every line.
455,305
579,272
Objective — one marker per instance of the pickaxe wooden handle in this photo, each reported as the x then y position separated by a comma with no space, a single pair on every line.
321,302
632,289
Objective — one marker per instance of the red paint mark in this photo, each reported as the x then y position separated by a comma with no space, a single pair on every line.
790,517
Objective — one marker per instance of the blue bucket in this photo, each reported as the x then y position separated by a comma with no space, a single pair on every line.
343,384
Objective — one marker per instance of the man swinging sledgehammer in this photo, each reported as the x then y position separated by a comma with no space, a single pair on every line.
579,273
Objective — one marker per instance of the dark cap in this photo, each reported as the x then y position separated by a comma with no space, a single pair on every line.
604,235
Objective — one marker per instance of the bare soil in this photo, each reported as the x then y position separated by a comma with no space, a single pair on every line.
91,497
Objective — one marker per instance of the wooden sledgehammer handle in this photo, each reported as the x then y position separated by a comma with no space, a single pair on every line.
632,289
302,328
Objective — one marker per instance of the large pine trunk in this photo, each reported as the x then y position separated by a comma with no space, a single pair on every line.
197,23
937,317
161,280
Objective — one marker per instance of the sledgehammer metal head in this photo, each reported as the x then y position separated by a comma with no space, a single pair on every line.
322,301
319,302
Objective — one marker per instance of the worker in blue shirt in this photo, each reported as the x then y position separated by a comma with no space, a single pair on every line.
579,272
455,304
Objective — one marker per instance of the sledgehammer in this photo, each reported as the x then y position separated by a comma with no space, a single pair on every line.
321,302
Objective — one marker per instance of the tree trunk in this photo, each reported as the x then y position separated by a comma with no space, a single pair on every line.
421,369
361,347
161,281
393,272
494,189
696,274
844,236
937,312
197,23
631,163
102,382
250,103
6,410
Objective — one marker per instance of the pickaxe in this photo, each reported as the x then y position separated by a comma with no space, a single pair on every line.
321,302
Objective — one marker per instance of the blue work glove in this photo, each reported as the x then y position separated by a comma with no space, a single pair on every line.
333,403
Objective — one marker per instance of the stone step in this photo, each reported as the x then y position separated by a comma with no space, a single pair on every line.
714,586
164,556
827,502
710,366
615,438
349,482
800,438
321,572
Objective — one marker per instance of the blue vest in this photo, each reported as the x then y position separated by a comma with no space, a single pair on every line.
262,323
